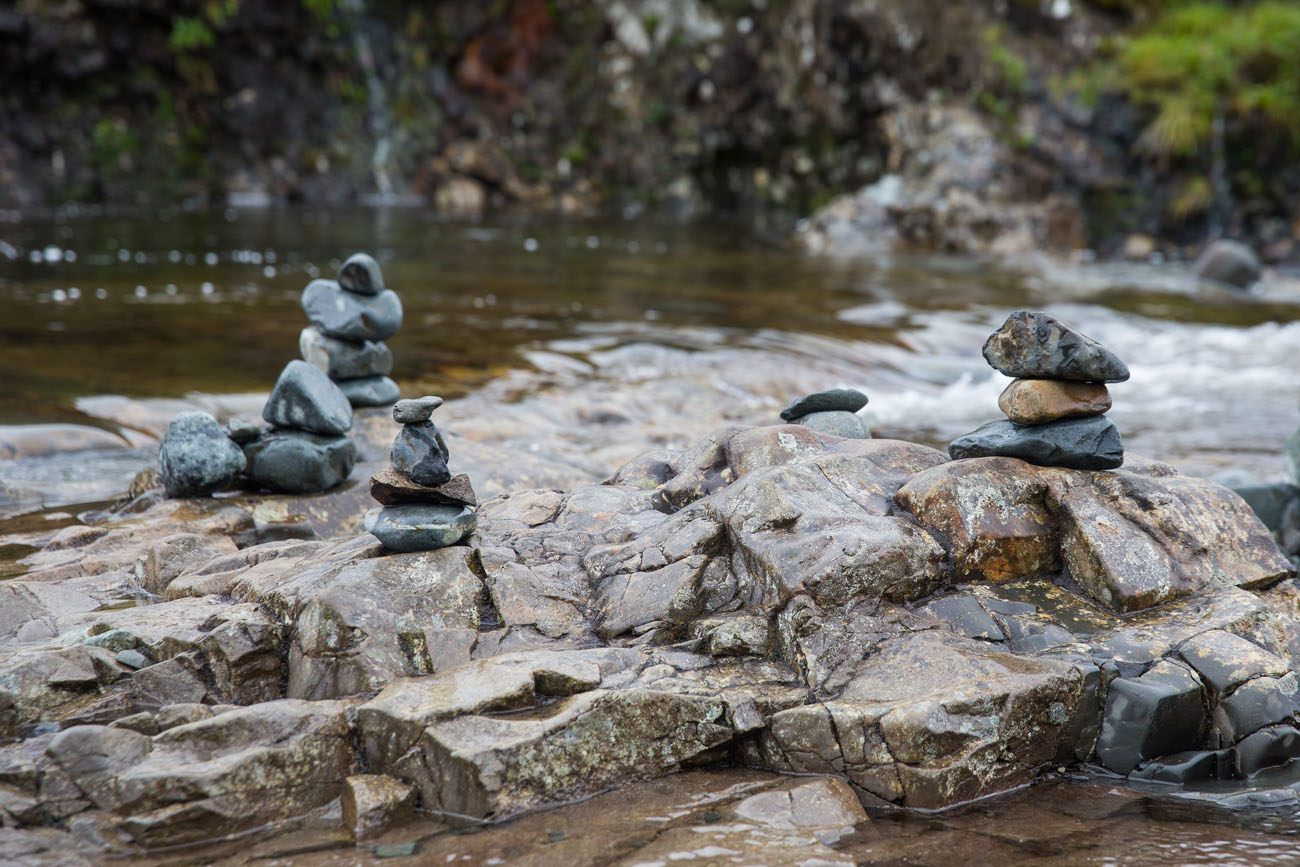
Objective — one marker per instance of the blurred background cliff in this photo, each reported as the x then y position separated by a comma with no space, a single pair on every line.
1126,127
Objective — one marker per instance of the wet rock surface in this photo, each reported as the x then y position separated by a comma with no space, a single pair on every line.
921,631
1082,443
1035,345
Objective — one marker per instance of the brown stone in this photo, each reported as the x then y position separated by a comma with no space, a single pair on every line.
1038,401
393,489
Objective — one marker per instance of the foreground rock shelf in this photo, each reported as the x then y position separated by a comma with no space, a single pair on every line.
925,631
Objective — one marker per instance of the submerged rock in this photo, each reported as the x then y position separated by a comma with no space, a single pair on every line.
345,359
420,527
297,462
1229,262
370,391
197,457
351,316
833,400
1038,401
1080,444
305,399
1034,345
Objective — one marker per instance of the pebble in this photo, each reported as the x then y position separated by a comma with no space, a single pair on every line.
197,457
1081,444
349,315
1034,345
244,430
420,527
840,423
420,454
414,410
304,398
370,391
361,274
1038,401
297,462
344,359
835,399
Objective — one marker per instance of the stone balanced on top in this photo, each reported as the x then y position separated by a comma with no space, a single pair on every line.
1056,405
351,317
832,412
424,505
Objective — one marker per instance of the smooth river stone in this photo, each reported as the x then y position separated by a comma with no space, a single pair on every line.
420,454
196,457
1038,401
1034,345
361,274
393,489
305,398
344,359
414,410
840,423
295,462
349,315
420,528
1078,444
1228,262
370,391
835,399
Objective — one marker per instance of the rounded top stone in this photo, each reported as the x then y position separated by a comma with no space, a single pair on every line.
304,398
1033,345
831,400
415,410
361,274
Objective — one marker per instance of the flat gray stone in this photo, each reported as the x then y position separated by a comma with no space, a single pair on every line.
361,274
304,398
1034,345
414,410
370,391
840,423
197,457
420,527
344,359
1077,443
831,400
393,489
349,315
296,462
420,454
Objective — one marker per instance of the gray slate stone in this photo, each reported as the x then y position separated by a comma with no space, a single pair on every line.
1078,443
304,398
197,457
1228,262
370,391
840,423
350,316
414,410
831,400
1034,345
296,462
1157,714
361,274
1267,748
420,527
420,454
1255,704
344,359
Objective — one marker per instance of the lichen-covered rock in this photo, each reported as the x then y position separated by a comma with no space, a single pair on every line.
196,457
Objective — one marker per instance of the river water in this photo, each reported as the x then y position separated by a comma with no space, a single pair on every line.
160,307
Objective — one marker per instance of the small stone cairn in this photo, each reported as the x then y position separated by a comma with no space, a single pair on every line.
1056,406
351,317
305,450
831,412
424,506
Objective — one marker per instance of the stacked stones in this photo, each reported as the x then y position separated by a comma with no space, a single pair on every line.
307,448
351,317
831,412
424,505
1056,406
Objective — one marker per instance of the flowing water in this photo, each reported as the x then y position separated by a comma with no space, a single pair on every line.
164,306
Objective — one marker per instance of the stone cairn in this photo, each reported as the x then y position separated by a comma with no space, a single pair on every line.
1056,406
305,450
424,506
831,412
351,317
